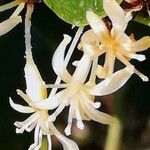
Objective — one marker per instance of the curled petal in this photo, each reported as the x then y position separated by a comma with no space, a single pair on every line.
140,45
99,116
113,83
9,24
20,108
66,143
94,114
116,14
58,59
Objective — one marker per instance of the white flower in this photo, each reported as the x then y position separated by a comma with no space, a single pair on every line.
38,120
36,91
115,43
78,93
15,18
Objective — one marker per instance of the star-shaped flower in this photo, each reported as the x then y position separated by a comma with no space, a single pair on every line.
115,44
78,93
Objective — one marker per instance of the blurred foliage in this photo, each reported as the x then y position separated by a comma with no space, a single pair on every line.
131,103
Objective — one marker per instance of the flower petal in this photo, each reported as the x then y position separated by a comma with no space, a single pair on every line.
9,5
140,45
50,103
18,10
113,83
95,22
116,14
81,74
20,108
94,114
58,63
66,143
35,85
9,24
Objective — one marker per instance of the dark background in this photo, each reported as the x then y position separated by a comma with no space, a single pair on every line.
131,103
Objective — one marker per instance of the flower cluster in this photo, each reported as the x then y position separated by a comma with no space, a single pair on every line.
78,90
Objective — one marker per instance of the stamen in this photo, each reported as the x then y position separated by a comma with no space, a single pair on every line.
24,96
52,117
75,63
70,117
93,71
138,57
142,76
68,129
96,105
31,127
56,85
38,142
80,124
36,133
32,118
49,142
25,124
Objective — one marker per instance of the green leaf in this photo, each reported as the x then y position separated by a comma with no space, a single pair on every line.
140,19
73,11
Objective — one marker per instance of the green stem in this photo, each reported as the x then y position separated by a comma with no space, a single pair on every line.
113,140
44,143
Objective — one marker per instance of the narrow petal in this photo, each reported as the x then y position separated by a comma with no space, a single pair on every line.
116,14
27,122
18,10
95,22
68,56
50,103
9,5
58,60
81,74
9,24
113,83
66,143
140,45
95,114
20,108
